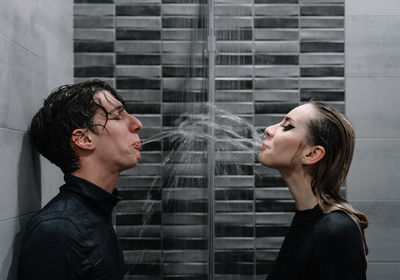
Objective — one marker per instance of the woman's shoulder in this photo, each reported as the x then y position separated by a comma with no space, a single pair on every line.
337,224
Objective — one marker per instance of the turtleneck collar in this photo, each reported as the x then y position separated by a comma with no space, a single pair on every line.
100,199
304,216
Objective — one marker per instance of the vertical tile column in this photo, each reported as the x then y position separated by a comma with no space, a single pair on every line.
322,51
276,91
138,80
94,38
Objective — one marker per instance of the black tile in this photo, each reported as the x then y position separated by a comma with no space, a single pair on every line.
324,95
234,268
337,10
172,206
152,146
233,84
140,244
322,47
234,35
184,182
94,71
184,22
185,1
186,277
276,1
126,83
139,219
138,10
143,269
199,145
271,205
233,231
264,59
234,194
274,108
234,256
234,60
92,1
134,59
234,169
184,71
276,23
269,182
271,231
264,267
94,47
128,34
185,96
143,108
325,71
187,244
140,194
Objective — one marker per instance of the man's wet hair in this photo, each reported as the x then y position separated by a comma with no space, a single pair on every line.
67,108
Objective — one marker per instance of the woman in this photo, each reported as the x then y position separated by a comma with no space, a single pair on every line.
312,147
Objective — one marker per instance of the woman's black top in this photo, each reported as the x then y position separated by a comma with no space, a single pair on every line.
321,246
72,237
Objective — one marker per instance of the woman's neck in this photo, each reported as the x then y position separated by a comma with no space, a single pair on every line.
300,187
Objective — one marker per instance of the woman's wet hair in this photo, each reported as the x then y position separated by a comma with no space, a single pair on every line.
67,108
331,130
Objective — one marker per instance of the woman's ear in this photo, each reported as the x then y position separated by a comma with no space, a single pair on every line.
82,138
314,155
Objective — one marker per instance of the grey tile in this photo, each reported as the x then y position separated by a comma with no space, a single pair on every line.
179,9
383,232
233,10
322,59
371,46
322,22
138,71
383,270
138,46
276,95
94,9
277,47
94,22
21,175
327,82
271,34
277,71
105,35
276,10
374,172
372,8
94,59
372,106
234,71
321,34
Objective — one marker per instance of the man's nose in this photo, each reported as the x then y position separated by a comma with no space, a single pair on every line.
135,124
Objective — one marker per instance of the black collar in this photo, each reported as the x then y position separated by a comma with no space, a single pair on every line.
308,215
101,200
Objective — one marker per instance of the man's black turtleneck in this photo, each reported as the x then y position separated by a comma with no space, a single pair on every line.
72,237
321,247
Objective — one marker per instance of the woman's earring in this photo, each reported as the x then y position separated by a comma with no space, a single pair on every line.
302,163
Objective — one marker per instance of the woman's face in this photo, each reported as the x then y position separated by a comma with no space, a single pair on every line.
285,141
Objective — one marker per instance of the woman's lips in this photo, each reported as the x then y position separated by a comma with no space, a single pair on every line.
137,146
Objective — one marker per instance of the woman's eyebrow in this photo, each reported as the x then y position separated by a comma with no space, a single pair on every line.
287,118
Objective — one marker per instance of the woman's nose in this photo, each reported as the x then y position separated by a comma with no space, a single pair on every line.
269,131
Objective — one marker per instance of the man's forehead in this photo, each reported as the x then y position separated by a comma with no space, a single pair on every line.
105,97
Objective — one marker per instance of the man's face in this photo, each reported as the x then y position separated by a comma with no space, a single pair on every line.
118,143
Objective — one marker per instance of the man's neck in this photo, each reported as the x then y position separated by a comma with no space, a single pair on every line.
104,180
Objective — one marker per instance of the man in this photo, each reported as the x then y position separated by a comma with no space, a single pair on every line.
85,130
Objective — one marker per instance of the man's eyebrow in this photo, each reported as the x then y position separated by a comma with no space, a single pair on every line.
118,108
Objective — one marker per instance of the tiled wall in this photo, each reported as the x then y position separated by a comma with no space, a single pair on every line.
36,55
372,103
271,55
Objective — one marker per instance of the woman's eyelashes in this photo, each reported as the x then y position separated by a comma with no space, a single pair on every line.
287,127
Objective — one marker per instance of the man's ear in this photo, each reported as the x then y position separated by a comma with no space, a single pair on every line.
314,155
83,139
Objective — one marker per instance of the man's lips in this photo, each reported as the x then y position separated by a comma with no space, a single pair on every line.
263,147
137,146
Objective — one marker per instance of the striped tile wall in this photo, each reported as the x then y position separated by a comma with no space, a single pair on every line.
271,56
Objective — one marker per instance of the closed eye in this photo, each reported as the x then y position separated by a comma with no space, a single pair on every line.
287,127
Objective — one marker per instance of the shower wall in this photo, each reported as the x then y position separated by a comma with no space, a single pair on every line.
271,56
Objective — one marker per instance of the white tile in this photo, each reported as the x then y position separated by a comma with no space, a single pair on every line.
372,46
383,232
11,233
372,7
20,176
372,105
374,173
